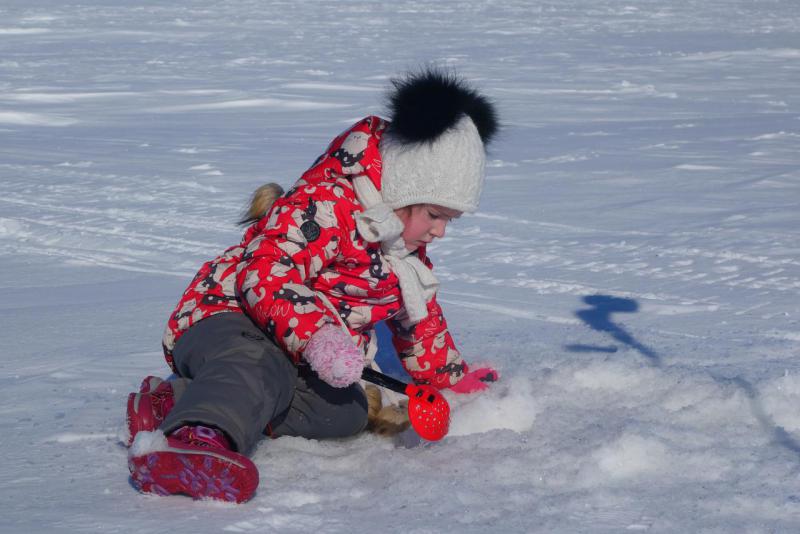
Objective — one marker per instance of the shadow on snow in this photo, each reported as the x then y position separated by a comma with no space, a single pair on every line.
598,317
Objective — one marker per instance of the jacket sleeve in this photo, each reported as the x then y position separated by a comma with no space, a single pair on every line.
427,350
301,237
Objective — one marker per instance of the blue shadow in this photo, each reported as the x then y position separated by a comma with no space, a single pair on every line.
387,358
777,433
598,318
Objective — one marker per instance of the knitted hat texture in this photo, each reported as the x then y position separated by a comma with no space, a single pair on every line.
434,148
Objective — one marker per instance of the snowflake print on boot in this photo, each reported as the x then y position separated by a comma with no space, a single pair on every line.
148,408
196,461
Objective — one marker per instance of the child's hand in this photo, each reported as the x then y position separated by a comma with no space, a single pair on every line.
334,356
476,380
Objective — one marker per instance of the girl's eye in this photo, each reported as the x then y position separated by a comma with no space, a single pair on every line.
435,216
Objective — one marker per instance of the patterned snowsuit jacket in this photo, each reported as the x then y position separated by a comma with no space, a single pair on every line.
308,247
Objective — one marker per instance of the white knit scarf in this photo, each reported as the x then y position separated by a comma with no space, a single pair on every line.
379,223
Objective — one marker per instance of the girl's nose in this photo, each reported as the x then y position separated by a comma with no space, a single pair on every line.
438,230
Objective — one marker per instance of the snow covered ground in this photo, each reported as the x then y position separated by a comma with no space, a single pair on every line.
634,270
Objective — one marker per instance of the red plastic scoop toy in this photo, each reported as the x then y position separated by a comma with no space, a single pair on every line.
428,410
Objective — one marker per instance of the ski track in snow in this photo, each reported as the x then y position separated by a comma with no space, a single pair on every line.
633,271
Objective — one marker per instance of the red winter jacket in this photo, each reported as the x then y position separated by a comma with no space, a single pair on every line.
308,246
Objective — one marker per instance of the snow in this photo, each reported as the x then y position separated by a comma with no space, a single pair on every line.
633,271
146,442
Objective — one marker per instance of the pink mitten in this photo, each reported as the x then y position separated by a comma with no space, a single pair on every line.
476,380
334,356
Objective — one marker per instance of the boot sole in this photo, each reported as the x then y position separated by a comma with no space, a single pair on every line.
196,472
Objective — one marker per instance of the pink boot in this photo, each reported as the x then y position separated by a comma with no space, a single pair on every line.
148,408
194,460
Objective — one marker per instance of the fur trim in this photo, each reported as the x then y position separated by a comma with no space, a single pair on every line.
261,202
387,420
426,104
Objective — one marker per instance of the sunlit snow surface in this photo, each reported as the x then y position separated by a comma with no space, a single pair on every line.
634,270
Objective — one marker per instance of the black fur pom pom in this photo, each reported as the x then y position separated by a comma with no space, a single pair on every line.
424,105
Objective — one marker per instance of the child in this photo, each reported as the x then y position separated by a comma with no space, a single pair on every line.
272,336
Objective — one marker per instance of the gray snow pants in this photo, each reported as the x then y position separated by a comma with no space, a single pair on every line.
239,381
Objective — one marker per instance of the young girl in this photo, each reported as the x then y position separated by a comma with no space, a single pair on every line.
272,336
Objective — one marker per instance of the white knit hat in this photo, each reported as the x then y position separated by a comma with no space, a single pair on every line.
433,151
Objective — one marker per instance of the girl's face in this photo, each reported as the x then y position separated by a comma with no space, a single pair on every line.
424,222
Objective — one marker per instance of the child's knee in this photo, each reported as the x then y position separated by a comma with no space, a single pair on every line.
359,413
